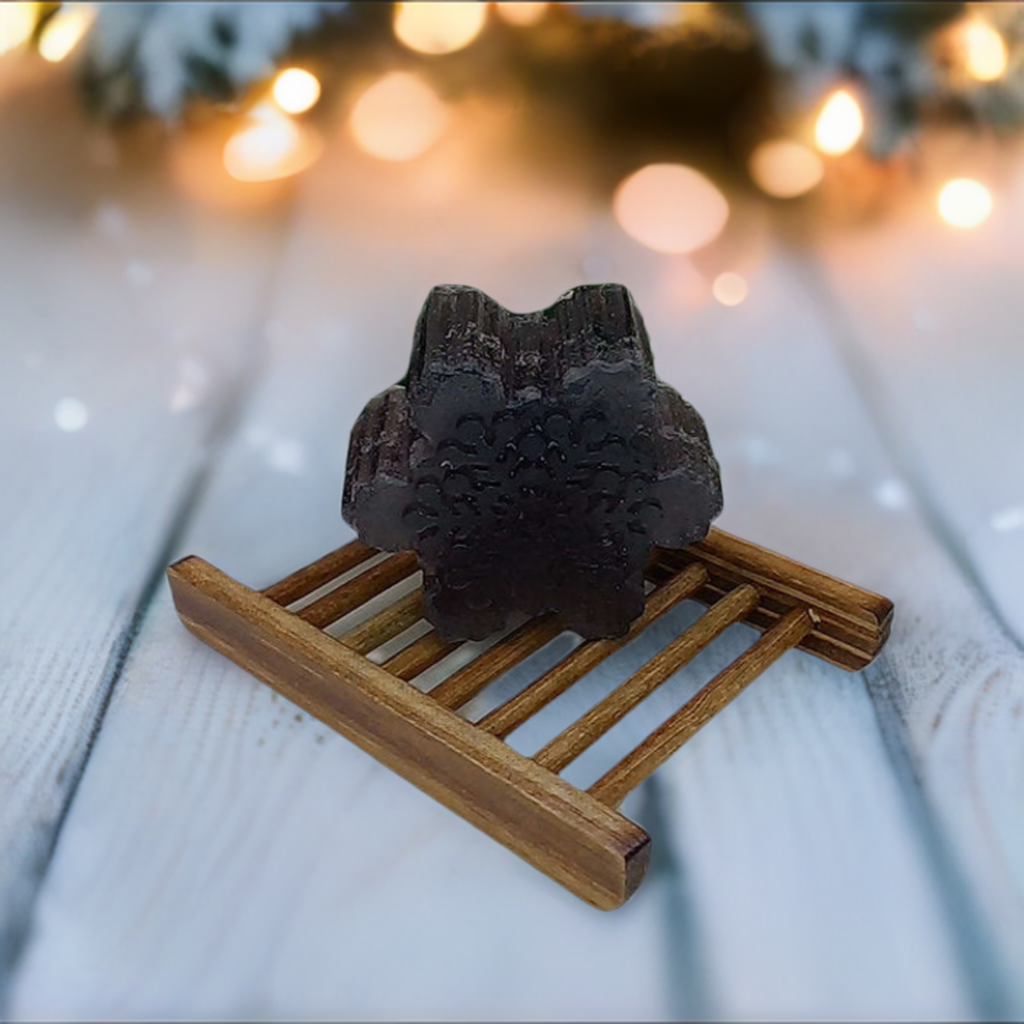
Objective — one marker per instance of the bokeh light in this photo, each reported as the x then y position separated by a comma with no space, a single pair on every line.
16,24
670,208
964,203
296,90
521,13
71,414
398,117
785,169
272,147
840,124
730,288
64,30
438,27
985,53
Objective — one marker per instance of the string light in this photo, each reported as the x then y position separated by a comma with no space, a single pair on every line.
64,30
985,52
730,288
273,147
964,203
670,208
296,90
438,27
521,13
398,118
840,124
785,169
16,24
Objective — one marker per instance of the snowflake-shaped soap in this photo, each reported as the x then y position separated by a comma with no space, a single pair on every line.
531,461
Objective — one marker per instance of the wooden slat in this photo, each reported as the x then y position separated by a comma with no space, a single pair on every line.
419,656
465,684
307,579
386,625
585,731
584,845
613,787
852,623
512,714
351,595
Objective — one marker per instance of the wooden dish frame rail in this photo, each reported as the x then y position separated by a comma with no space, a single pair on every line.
576,837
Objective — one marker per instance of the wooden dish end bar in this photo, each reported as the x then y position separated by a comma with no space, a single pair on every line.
576,837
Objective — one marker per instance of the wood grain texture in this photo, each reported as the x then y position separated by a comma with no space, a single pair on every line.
313,576
851,623
508,716
620,780
571,742
386,625
802,870
467,682
600,857
356,592
258,893
807,472
420,655
127,303
938,357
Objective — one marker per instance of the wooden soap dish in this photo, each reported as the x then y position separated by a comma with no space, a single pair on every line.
576,837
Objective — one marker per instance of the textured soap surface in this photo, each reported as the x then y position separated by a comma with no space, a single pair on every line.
531,461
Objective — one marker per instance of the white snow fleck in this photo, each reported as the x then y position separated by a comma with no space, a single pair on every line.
113,222
139,275
758,451
71,414
287,455
193,380
892,494
1007,519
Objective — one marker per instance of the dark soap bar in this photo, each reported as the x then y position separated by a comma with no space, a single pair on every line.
531,461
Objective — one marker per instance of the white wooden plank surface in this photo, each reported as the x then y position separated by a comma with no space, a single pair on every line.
939,353
806,474
815,895
115,294
806,883
285,873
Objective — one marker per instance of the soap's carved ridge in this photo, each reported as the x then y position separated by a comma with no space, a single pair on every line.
532,461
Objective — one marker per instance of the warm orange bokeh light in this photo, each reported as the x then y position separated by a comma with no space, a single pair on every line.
785,169
521,13
730,289
964,203
985,54
398,118
840,124
670,208
296,90
64,31
16,24
272,147
438,27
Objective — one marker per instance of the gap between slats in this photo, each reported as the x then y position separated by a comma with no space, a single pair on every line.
616,784
470,680
586,731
